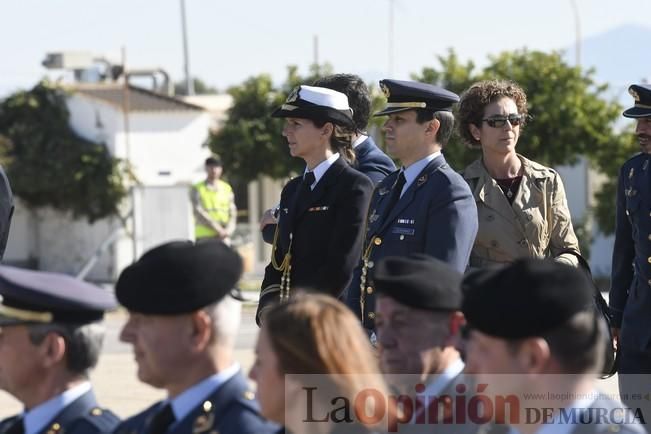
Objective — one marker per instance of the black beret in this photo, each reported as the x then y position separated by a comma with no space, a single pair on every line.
32,297
526,298
641,93
410,95
179,277
419,281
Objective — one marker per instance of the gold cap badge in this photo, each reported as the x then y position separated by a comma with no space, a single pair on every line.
385,90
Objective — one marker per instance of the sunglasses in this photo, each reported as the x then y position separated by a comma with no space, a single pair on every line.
500,121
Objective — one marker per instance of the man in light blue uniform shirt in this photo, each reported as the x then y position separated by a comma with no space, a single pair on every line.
184,314
425,207
50,339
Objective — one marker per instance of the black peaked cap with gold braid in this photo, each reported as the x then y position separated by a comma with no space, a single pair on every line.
33,297
409,95
641,93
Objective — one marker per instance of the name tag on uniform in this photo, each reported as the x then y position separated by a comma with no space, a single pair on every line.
406,221
318,208
403,231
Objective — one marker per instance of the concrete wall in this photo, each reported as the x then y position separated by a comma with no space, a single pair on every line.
54,241
166,152
94,120
581,182
164,147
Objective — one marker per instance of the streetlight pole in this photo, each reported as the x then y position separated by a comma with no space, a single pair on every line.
391,4
315,49
577,31
189,84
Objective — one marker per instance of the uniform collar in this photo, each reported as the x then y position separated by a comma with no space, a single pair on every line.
187,401
361,139
322,168
414,170
36,419
435,388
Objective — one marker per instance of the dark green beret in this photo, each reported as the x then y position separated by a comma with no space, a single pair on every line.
526,298
179,277
419,281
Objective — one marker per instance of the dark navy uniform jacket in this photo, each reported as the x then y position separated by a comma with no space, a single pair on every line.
326,233
231,409
81,416
372,162
6,210
436,215
369,160
630,293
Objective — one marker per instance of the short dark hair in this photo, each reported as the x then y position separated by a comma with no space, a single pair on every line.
356,90
213,161
83,343
577,344
446,121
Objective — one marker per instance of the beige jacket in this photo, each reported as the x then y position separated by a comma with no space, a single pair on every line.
537,225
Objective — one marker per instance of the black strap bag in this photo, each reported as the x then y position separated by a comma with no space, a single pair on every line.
610,358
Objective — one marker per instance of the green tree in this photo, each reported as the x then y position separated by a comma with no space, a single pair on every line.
609,160
251,143
570,115
48,165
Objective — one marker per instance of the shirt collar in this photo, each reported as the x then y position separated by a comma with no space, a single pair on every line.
435,388
359,140
36,419
184,403
321,168
414,170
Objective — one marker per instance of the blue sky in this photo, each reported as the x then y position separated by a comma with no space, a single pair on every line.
232,40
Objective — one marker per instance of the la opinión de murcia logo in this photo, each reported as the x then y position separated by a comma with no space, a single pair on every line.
372,408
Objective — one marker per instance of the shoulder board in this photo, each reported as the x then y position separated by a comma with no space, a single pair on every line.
637,156
97,420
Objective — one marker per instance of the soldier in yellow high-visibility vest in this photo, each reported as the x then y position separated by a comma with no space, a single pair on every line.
214,205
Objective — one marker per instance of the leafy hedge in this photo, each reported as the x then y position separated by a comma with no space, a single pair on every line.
48,164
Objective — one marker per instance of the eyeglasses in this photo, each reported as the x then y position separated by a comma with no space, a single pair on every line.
500,121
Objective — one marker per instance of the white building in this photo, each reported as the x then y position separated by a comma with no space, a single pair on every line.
162,139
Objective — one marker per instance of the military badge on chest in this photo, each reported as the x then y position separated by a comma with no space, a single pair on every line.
205,421
373,217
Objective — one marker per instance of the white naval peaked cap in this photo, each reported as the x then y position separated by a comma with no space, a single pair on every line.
324,97
317,103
